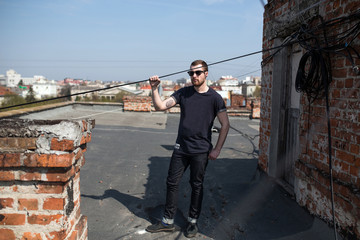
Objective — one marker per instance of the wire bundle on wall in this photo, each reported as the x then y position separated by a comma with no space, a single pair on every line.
314,74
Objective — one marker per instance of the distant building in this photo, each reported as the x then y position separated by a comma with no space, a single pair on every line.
181,81
45,89
112,92
73,82
167,82
248,89
229,83
42,89
146,89
79,89
252,80
2,80
12,78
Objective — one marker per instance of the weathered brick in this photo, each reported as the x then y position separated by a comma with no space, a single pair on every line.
10,160
60,235
73,235
85,138
12,219
62,145
7,175
84,126
48,160
30,175
355,149
54,204
3,143
344,156
56,176
354,171
49,175
7,234
28,204
349,83
18,143
357,162
31,236
44,219
6,203
50,188
81,225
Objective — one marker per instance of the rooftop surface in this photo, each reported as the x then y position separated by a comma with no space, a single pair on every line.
123,182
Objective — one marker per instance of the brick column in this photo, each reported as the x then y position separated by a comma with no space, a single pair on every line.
40,165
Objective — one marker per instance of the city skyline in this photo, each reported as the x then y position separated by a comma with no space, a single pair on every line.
128,40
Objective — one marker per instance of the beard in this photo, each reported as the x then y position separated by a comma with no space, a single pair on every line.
197,82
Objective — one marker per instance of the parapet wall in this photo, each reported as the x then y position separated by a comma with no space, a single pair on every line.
138,104
40,163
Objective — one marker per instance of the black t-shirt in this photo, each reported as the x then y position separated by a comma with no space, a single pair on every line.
198,111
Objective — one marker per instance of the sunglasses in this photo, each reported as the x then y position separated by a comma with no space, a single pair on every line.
198,73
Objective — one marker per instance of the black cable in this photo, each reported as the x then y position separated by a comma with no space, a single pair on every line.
125,84
308,81
314,77
326,80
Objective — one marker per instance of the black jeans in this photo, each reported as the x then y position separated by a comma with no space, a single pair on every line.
178,165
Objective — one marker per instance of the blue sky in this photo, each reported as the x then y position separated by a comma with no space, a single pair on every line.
128,40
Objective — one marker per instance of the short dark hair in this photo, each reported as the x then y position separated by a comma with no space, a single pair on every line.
202,62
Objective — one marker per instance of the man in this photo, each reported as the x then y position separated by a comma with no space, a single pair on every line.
199,106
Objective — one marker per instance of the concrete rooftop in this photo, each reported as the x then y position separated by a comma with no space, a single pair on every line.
123,182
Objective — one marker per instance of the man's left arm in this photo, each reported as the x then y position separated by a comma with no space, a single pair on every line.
224,122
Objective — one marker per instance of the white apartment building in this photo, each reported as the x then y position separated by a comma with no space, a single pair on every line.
44,89
12,78
2,80
229,83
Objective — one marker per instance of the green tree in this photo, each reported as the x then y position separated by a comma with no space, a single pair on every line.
21,83
30,97
66,91
94,97
12,99
119,96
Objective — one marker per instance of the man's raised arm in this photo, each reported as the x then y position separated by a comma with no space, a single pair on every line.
159,104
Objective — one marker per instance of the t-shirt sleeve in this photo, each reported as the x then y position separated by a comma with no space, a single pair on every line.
176,95
219,104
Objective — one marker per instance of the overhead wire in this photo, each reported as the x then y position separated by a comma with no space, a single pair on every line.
135,82
307,80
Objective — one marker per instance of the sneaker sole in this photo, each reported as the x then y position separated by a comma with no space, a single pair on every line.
161,230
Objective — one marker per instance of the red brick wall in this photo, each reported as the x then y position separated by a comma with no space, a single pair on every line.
238,100
312,166
143,104
138,104
40,165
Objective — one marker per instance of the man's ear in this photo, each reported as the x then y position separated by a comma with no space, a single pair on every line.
206,73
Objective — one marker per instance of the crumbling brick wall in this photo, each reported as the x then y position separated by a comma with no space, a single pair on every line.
312,165
138,104
40,165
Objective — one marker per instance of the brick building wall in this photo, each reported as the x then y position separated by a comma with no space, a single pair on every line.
40,165
304,164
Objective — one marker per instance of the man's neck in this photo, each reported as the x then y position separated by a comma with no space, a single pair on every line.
202,89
